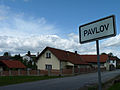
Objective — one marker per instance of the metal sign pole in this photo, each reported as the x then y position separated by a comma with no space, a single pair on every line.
98,62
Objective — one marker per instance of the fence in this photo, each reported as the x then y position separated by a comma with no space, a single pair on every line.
48,72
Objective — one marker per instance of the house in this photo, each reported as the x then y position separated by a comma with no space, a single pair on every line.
106,61
29,57
111,63
11,64
56,59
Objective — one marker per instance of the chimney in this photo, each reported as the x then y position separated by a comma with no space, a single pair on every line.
75,52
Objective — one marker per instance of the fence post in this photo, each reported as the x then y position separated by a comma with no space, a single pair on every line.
79,69
73,70
19,72
61,70
1,73
49,72
10,73
28,72
38,72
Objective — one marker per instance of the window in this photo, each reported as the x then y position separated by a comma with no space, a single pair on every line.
48,55
113,61
48,67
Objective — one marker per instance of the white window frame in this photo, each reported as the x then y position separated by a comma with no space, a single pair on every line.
48,55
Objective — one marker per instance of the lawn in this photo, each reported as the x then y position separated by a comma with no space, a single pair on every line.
7,80
115,87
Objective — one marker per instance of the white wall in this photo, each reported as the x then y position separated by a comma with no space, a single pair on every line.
113,62
26,57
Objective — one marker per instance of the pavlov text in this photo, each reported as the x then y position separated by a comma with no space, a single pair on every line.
96,30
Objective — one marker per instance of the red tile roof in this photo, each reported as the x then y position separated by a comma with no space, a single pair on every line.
76,58
93,58
113,58
13,63
65,55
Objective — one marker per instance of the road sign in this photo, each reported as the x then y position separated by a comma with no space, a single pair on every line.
98,29
94,31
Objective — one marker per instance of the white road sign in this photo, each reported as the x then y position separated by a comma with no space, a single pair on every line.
96,30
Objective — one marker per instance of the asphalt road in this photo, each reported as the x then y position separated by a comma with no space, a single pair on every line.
67,83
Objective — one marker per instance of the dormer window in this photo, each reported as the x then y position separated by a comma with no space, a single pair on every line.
48,55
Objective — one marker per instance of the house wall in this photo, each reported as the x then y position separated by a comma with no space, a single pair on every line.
42,61
109,62
63,64
70,64
83,66
113,62
26,57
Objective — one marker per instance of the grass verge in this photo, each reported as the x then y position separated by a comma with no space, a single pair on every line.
115,87
7,80
108,85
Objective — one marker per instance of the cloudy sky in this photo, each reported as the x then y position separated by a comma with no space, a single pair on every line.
31,25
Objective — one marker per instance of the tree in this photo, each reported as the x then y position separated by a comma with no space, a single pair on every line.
6,54
110,54
29,53
103,53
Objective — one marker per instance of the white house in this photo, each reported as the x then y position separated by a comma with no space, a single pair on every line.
56,59
106,61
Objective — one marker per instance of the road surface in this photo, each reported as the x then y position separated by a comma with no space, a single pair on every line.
67,83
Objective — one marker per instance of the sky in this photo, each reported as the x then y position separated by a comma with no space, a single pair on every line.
31,25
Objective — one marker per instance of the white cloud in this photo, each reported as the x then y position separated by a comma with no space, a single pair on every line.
20,33
18,24
38,43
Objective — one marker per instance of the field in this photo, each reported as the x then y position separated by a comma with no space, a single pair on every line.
7,80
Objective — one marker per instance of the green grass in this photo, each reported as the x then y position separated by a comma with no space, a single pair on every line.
115,87
7,80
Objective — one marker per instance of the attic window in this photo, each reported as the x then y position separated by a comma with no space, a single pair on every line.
48,55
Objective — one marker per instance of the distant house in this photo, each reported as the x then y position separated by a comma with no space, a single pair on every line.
11,64
106,61
29,57
56,59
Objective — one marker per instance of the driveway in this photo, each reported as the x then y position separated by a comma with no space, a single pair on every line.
67,83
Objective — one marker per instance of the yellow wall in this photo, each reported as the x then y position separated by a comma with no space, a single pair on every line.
42,61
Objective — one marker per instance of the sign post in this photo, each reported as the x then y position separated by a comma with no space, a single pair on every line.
98,62
96,30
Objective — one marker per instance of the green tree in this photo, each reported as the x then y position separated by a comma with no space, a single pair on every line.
7,54
103,53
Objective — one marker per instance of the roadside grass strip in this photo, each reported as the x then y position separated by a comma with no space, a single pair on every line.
115,87
8,80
